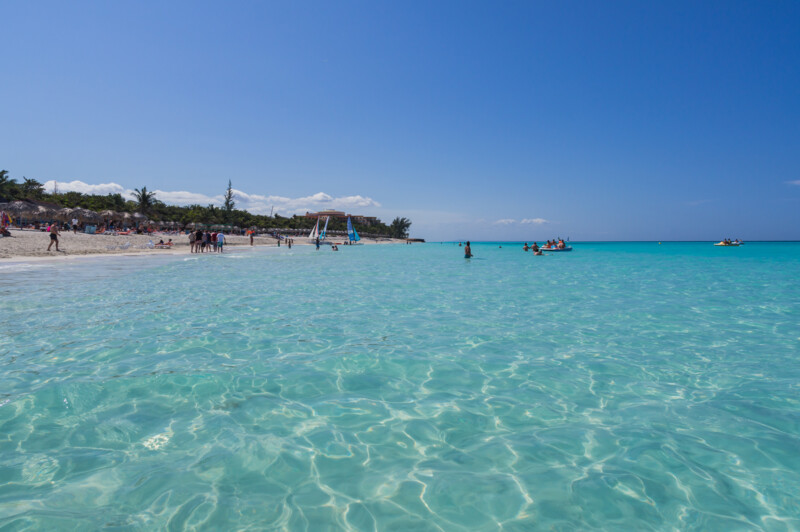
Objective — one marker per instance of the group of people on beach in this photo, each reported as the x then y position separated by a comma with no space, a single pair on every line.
201,241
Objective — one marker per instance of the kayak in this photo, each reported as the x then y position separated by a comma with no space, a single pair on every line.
568,248
721,244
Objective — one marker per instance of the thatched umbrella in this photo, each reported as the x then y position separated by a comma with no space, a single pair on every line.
85,215
64,214
22,210
110,215
20,207
139,218
40,212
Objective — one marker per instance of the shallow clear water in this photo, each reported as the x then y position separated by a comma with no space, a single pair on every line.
617,387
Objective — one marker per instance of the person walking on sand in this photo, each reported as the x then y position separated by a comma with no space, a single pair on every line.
220,241
252,234
192,236
467,251
74,226
53,237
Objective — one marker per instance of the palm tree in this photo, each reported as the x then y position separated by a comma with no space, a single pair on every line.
144,199
399,227
8,186
31,188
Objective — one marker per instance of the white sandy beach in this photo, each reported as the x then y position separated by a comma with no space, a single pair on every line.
30,243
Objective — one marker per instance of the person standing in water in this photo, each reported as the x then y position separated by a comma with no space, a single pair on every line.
317,241
467,251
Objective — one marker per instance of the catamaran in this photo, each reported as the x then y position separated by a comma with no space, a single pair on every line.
352,236
324,232
316,233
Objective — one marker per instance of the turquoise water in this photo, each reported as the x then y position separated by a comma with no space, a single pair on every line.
616,387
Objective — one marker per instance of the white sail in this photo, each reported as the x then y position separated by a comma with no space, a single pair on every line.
315,232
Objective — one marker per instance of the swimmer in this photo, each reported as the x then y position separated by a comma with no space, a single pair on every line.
467,251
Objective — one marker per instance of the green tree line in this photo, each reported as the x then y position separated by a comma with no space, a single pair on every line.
147,203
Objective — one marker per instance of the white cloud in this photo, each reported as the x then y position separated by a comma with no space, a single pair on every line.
182,197
509,221
84,188
795,182
255,203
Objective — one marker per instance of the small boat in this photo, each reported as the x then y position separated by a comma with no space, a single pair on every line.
352,235
568,248
728,244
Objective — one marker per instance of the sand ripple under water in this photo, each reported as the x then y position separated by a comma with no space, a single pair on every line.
617,387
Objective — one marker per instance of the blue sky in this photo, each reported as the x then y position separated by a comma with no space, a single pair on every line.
476,120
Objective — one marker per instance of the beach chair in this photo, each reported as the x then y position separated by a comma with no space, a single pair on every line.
111,248
126,245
